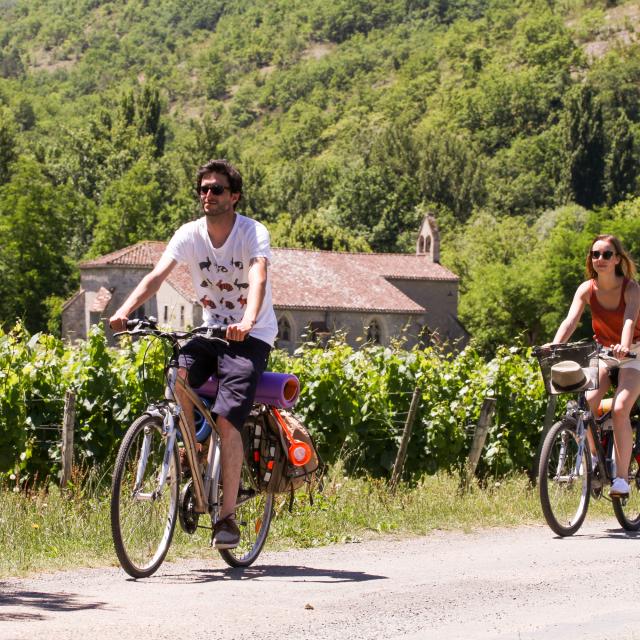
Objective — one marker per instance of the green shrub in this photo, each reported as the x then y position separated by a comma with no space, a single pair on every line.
354,401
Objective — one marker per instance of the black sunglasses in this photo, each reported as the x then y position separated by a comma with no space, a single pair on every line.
606,255
216,188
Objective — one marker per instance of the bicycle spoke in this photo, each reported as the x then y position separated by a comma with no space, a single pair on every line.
142,519
564,479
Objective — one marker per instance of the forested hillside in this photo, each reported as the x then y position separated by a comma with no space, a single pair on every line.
516,122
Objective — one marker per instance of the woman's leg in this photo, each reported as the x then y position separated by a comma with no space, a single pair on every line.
626,396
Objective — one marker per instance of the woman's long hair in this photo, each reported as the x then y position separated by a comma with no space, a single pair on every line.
625,268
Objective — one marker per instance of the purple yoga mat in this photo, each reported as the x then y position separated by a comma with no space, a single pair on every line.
278,389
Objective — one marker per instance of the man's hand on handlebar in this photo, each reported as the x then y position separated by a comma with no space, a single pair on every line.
240,330
118,321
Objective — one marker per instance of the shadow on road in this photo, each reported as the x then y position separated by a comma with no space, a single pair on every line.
293,573
41,600
609,534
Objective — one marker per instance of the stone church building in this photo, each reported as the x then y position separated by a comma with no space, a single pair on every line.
370,296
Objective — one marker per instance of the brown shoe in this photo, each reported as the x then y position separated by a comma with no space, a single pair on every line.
226,534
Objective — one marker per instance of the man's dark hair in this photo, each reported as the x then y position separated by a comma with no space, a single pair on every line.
225,168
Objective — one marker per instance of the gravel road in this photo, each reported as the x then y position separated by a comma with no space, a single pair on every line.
519,583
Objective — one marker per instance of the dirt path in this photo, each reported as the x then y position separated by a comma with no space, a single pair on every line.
509,583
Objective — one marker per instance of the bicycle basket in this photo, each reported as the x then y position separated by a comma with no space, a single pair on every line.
584,354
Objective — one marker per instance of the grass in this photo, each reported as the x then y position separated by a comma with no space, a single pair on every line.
51,529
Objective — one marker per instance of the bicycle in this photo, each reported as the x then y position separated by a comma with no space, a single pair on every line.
566,477
147,499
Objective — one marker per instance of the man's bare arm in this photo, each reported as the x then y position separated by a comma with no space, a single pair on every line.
255,297
147,287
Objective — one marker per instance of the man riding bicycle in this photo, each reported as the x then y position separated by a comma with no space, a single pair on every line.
227,255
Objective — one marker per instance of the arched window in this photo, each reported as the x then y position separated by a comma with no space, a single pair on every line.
374,335
284,330
421,244
427,245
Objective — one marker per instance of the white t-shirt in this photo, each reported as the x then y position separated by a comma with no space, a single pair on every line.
220,276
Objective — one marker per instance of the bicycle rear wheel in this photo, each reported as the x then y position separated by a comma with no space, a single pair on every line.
564,495
143,516
627,510
254,511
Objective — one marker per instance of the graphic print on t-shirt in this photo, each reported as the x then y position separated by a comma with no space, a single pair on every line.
207,303
224,286
221,286
241,285
205,264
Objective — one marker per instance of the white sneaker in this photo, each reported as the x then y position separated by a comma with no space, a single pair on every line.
619,488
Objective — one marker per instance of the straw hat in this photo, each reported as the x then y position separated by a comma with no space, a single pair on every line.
568,376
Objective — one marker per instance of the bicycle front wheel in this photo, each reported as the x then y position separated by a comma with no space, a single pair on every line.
254,511
143,513
627,510
564,481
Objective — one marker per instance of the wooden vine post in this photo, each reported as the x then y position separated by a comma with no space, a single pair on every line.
479,437
406,436
68,421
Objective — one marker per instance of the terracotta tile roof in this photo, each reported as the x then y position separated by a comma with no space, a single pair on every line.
101,301
146,254
307,279
143,254
348,281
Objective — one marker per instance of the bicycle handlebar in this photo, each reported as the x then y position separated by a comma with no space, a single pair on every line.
149,326
609,353
566,345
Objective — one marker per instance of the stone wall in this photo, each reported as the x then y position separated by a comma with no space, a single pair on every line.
353,323
77,318
73,318
440,300
175,310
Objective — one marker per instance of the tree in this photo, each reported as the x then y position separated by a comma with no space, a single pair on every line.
524,178
147,118
449,171
11,65
35,224
8,151
563,235
622,164
585,146
315,231
517,281
131,209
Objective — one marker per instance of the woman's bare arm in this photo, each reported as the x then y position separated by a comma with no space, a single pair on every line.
570,323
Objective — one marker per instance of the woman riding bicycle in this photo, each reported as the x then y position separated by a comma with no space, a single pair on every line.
614,298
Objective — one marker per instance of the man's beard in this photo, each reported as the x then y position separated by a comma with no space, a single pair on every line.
216,212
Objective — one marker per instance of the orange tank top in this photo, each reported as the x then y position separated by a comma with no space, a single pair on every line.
607,323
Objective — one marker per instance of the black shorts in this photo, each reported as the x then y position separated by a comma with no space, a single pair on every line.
238,367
